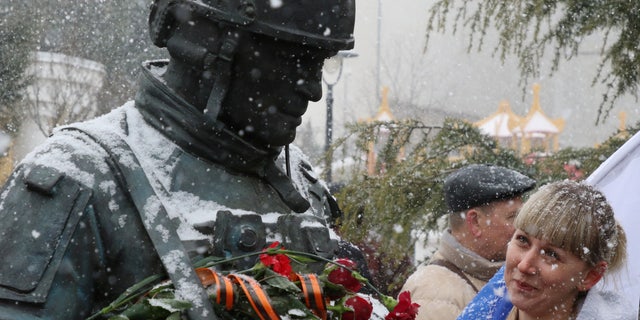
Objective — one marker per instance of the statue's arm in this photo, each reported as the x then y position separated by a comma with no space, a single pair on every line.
71,240
47,245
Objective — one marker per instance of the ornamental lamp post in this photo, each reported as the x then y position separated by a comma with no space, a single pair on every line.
332,67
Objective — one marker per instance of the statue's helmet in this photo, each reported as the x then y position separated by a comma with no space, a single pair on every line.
326,24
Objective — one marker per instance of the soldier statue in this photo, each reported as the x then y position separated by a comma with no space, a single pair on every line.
198,164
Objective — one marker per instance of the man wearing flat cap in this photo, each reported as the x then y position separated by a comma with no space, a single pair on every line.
482,200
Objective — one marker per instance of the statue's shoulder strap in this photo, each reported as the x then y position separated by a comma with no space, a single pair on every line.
154,216
320,195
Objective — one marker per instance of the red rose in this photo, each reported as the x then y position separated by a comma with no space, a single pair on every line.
405,309
344,277
362,309
279,263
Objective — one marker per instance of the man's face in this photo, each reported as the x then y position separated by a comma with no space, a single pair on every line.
271,85
496,222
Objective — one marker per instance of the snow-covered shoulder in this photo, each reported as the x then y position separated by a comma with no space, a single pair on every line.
74,153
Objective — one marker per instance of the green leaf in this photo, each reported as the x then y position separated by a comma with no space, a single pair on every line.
144,311
175,316
128,295
171,305
275,280
165,290
153,309
301,259
208,261
283,303
333,289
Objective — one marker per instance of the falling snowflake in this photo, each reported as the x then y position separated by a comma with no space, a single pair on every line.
275,3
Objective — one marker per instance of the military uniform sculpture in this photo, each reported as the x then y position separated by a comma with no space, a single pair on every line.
199,164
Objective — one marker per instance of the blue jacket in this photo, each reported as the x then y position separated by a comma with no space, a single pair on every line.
491,302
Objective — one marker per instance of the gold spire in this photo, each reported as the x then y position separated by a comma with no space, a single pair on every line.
384,111
535,108
623,121
549,134
536,99
622,128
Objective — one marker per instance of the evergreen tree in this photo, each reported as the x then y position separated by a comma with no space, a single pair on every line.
587,160
530,28
405,193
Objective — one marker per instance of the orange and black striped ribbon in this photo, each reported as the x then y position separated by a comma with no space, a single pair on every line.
223,286
313,297
257,297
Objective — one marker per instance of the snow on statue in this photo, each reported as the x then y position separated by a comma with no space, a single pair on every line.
197,166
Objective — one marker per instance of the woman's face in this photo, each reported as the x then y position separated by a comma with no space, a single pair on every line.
542,279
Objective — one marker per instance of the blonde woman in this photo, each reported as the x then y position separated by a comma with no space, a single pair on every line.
566,241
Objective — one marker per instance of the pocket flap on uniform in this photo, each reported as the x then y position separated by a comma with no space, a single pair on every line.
32,224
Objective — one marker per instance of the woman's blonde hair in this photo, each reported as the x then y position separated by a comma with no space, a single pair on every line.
577,218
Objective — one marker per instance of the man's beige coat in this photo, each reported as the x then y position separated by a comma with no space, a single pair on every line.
442,293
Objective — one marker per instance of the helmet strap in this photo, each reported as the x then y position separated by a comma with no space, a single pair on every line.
220,65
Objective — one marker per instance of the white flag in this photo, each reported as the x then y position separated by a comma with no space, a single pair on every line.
619,179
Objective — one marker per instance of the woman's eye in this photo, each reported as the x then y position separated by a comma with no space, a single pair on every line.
549,253
522,239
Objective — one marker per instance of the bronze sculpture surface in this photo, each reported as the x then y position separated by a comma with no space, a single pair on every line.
199,164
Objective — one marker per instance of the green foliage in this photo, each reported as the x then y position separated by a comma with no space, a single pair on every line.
551,168
382,209
527,28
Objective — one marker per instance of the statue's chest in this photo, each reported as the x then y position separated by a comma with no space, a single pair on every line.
223,214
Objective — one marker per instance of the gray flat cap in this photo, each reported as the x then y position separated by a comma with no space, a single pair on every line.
479,184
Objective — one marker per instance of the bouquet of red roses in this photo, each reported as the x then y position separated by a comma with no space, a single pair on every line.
270,290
